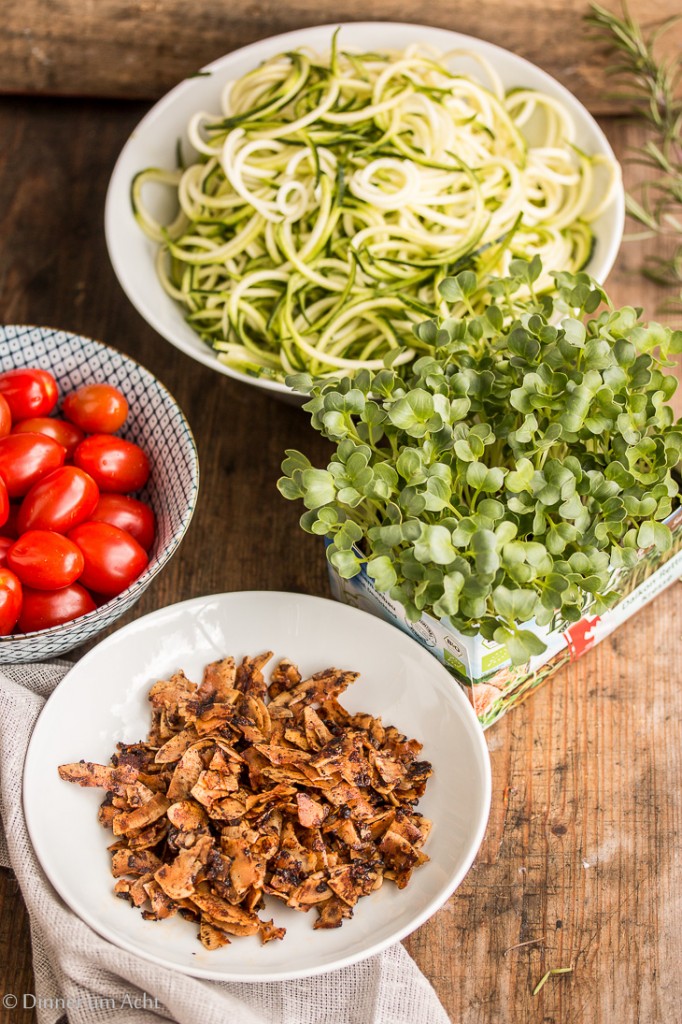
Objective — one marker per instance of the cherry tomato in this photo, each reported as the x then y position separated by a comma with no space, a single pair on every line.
4,503
59,501
5,544
25,458
128,514
45,560
28,392
10,601
5,417
96,408
11,528
113,559
45,608
66,434
114,464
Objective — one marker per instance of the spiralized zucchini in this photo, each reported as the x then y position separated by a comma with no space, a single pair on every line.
334,194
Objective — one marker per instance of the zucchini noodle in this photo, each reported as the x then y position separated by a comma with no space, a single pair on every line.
332,195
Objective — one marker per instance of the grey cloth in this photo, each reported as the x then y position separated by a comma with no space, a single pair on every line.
93,981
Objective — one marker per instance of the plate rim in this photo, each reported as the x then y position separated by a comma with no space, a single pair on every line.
208,358
84,914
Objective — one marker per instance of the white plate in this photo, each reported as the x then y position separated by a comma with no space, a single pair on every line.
103,700
153,144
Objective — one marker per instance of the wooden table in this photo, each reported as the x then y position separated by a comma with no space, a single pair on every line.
580,866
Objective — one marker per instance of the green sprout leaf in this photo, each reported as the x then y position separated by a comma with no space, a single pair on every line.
435,545
318,487
508,477
382,571
656,535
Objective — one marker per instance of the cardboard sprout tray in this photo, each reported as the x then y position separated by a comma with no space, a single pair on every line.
483,667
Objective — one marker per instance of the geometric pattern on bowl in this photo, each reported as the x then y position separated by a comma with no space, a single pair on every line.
155,422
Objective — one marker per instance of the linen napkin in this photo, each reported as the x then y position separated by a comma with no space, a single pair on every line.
94,982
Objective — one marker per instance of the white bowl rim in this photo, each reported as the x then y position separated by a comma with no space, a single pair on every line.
477,735
460,39
151,570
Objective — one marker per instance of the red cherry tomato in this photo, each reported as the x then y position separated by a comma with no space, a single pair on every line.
45,560
128,514
66,434
4,503
5,544
114,464
29,392
113,559
10,528
5,417
10,601
59,501
96,408
45,608
25,458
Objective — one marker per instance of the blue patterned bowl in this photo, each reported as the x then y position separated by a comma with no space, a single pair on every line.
155,422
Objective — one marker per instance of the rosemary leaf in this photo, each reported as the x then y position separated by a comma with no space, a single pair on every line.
548,974
651,86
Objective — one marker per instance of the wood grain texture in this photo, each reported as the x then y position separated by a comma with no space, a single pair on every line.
140,48
580,866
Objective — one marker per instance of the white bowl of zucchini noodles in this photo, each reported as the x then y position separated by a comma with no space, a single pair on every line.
295,205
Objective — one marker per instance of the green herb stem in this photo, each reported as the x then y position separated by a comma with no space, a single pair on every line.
651,85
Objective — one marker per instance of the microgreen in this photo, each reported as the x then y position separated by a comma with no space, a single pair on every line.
502,478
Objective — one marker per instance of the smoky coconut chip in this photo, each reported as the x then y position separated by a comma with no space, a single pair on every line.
244,789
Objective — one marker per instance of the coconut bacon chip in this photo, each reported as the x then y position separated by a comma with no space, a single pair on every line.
244,789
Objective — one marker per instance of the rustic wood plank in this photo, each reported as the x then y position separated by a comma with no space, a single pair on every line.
142,48
16,974
580,866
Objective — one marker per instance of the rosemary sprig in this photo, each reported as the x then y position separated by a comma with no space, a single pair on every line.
651,86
